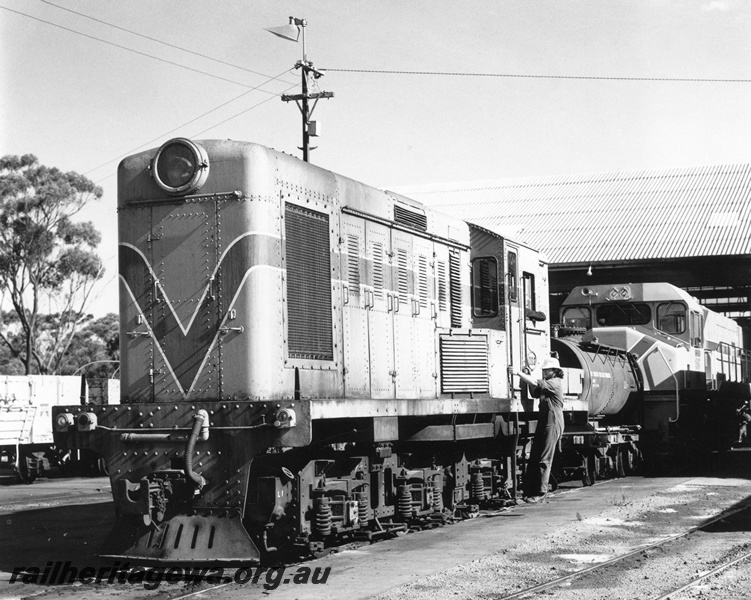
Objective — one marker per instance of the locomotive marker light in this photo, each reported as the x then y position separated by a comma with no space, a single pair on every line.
292,32
86,421
180,166
64,422
285,418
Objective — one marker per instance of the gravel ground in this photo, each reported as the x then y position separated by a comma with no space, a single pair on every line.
597,539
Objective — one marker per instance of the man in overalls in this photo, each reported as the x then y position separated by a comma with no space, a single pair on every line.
549,430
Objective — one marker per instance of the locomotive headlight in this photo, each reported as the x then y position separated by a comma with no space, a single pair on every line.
63,422
180,166
285,418
86,421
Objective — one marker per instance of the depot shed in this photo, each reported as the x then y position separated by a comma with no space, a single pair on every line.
688,226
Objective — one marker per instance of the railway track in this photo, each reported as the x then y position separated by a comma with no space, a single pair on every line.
623,559
695,580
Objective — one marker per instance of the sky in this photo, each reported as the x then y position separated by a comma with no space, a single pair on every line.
528,87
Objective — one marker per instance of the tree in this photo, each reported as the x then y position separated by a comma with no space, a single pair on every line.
46,259
96,346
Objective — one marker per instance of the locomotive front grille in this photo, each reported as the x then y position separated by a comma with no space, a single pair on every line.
464,364
308,284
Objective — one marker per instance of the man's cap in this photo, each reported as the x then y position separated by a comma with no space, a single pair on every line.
550,363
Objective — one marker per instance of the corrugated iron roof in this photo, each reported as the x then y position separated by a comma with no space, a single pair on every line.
634,215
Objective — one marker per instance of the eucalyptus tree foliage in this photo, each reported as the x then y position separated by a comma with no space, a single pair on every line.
48,263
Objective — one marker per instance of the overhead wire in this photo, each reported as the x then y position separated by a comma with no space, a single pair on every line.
127,49
158,41
193,120
523,76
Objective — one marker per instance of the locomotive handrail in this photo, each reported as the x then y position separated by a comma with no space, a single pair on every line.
675,380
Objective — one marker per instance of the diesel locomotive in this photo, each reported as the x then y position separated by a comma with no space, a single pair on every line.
306,358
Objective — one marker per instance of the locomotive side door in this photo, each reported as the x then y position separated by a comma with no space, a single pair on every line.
354,313
185,311
489,310
404,314
424,321
515,318
380,307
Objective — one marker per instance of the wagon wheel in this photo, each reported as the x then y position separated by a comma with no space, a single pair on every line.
318,550
27,466
589,470
620,468
633,461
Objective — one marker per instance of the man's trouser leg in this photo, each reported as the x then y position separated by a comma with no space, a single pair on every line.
553,432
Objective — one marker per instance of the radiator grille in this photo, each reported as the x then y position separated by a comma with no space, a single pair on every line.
308,284
464,364
410,218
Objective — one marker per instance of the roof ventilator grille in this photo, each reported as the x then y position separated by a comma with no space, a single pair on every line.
410,218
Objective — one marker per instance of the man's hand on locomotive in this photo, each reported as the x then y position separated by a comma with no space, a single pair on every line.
515,371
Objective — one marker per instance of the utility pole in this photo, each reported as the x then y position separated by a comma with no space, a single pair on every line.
309,128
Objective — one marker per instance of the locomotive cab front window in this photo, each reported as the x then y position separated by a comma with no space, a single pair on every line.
577,317
485,287
620,314
671,317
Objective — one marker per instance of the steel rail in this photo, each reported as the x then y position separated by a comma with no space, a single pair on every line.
704,576
561,580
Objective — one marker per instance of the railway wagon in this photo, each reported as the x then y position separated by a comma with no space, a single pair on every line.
305,357
26,436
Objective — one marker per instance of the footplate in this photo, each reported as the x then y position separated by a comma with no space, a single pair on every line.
181,539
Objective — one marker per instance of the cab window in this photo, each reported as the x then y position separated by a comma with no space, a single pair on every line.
614,315
577,316
528,281
512,287
671,317
485,287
